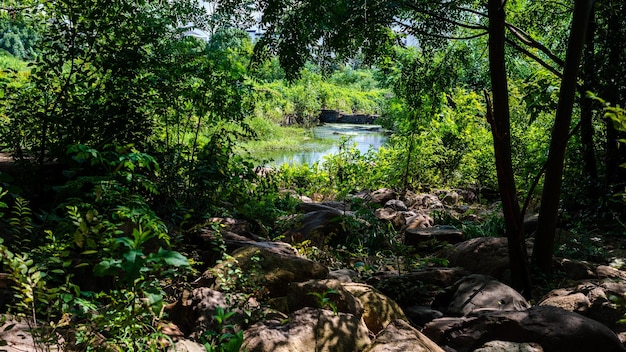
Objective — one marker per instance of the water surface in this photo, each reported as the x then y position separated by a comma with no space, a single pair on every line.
366,137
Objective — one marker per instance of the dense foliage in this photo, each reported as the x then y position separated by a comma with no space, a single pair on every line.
126,133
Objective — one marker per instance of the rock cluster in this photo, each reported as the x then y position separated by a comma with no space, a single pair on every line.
466,306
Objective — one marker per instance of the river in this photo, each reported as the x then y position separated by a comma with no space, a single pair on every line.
365,137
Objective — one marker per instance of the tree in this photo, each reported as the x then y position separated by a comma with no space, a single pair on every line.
499,118
546,228
102,76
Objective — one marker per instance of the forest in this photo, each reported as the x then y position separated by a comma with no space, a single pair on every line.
131,149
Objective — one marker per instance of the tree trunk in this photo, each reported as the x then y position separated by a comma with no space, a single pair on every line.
499,118
546,227
615,175
588,152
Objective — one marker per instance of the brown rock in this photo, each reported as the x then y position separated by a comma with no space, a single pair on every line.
479,292
449,234
311,293
482,255
378,309
268,267
399,336
554,329
308,330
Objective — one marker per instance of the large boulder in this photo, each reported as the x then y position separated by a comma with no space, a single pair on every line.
423,201
507,346
378,309
264,266
382,196
554,329
394,217
417,236
475,292
592,299
482,255
399,336
318,227
421,315
308,330
328,294
195,312
186,346
417,221
397,205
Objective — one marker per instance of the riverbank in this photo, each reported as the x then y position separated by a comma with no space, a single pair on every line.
297,145
273,139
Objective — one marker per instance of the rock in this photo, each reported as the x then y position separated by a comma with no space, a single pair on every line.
419,221
186,346
467,196
195,311
417,236
15,336
341,208
396,218
575,269
554,329
396,204
418,287
482,255
507,346
479,292
318,227
310,293
379,310
308,330
334,116
399,336
450,198
207,238
421,315
565,299
268,267
234,242
592,299
607,272
343,275
424,201
382,196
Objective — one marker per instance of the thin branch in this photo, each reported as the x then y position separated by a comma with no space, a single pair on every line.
528,40
475,12
547,66
414,31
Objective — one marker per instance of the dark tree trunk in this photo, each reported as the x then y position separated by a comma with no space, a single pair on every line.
546,227
588,152
499,117
614,95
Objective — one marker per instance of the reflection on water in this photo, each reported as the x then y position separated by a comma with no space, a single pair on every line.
365,137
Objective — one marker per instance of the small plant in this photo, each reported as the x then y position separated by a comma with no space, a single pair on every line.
324,301
223,338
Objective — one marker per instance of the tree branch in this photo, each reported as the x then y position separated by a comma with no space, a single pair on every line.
535,57
414,31
528,40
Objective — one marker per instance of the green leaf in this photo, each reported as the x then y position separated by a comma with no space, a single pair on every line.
107,266
172,258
